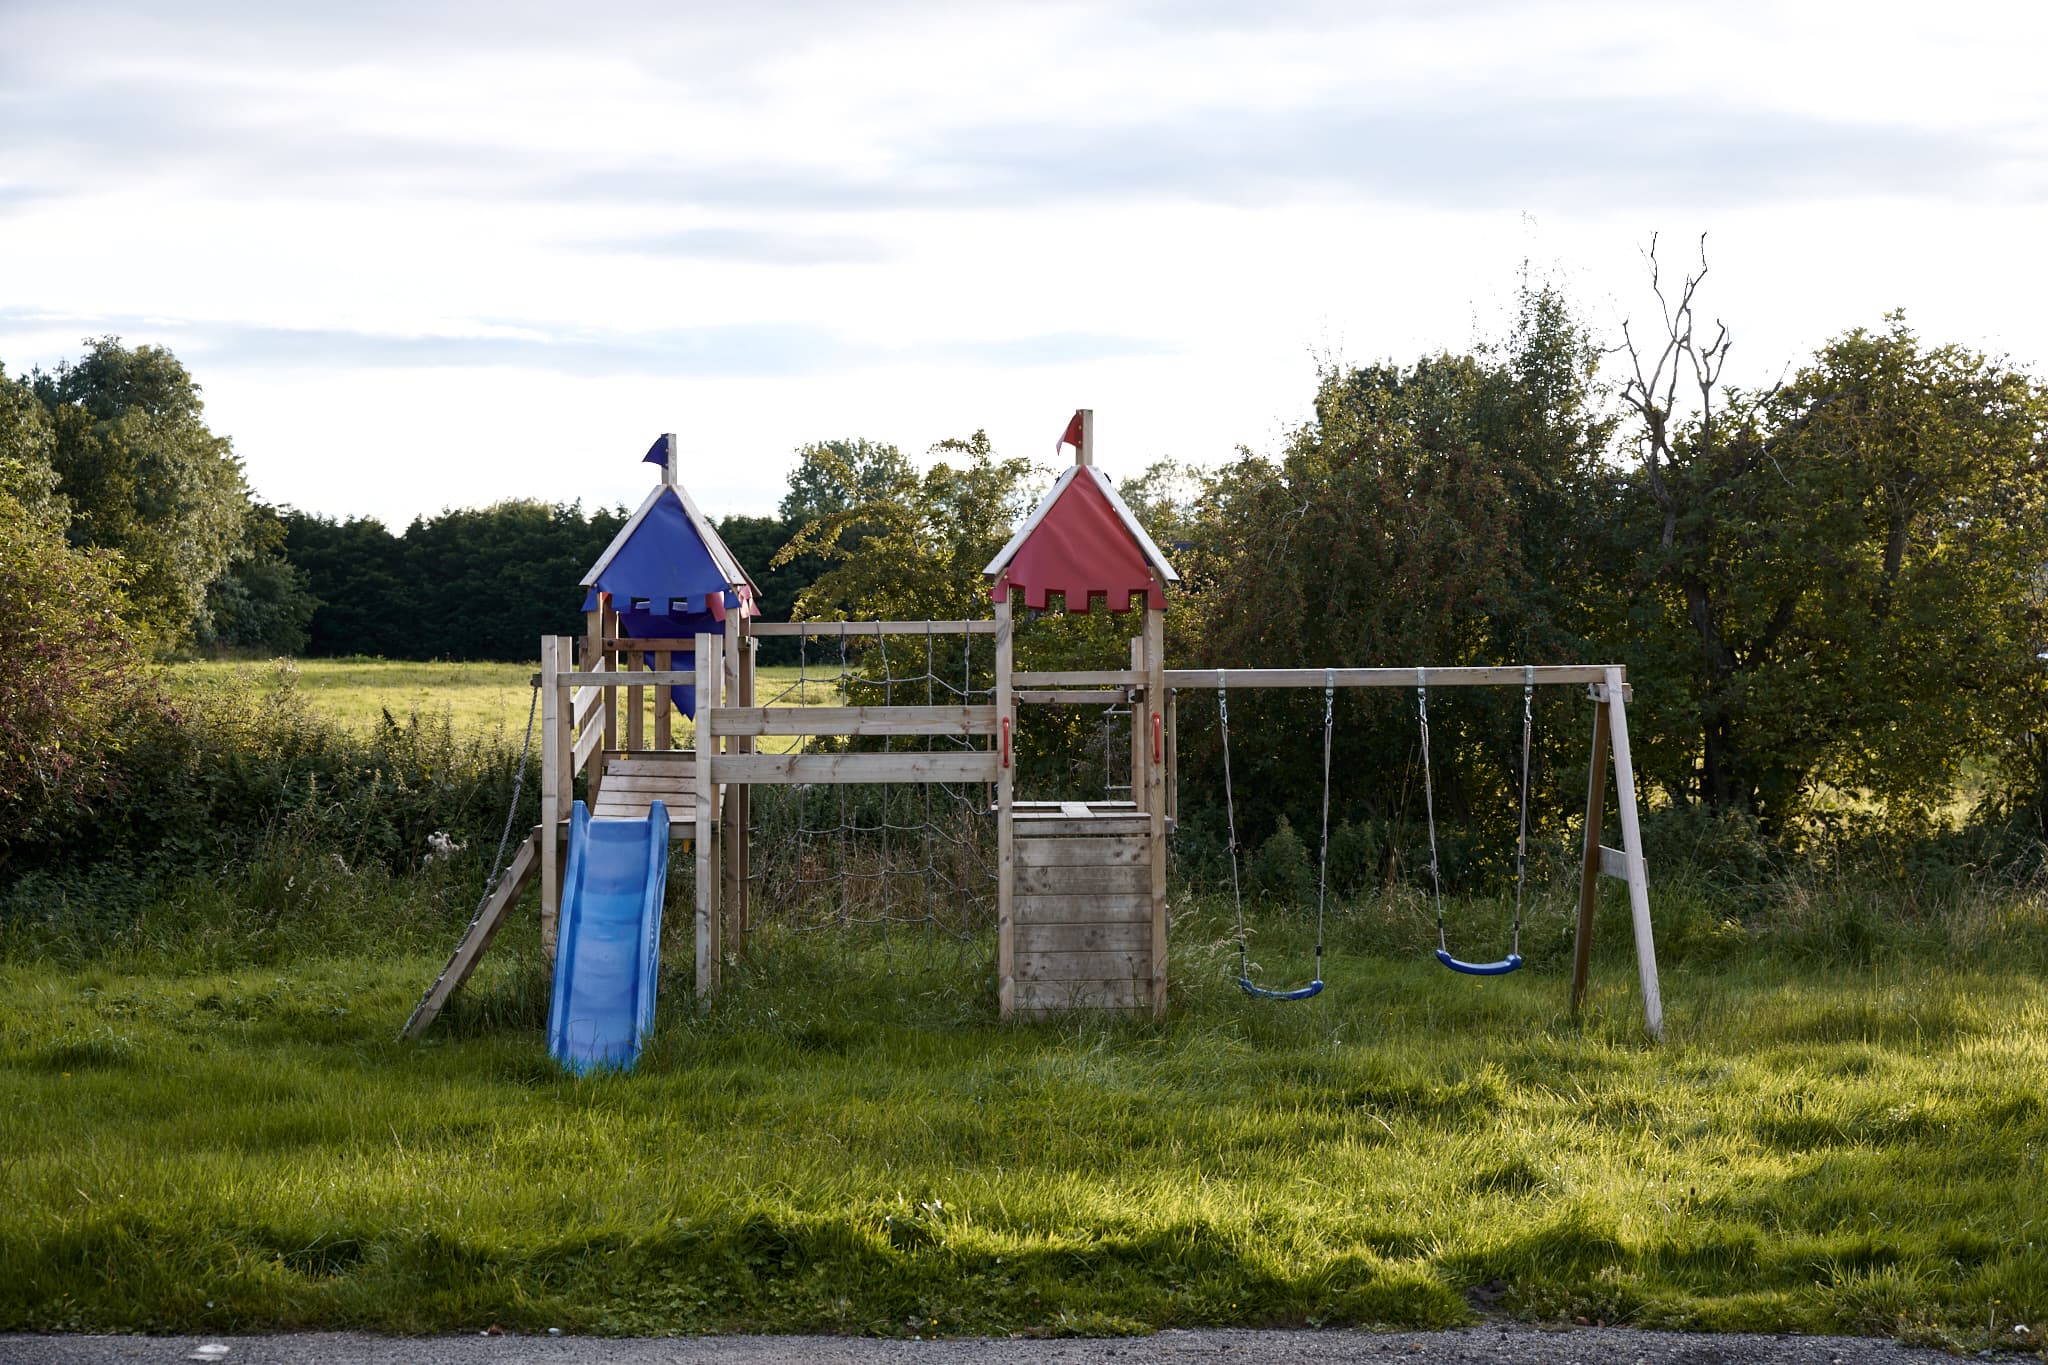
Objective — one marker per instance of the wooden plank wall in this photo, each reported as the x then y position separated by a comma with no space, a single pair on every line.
1082,906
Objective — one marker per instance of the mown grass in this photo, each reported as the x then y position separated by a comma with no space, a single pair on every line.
478,698
851,1142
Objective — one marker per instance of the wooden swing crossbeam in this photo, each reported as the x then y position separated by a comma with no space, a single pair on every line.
1541,675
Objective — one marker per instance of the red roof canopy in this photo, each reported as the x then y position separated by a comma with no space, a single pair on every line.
1080,546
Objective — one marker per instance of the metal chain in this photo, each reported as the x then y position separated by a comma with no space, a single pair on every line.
1522,836
1230,815
1323,868
1429,806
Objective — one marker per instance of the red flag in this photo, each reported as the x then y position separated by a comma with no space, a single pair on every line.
1072,435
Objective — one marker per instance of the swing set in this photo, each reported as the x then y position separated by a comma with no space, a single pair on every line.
1609,692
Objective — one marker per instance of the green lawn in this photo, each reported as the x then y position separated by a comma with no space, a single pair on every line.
846,1147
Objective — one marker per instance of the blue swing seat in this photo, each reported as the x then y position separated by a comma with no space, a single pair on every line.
1500,968
1314,987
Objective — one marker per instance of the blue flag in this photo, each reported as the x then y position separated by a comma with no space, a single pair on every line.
658,452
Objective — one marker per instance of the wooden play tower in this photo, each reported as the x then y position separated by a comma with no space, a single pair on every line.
1081,886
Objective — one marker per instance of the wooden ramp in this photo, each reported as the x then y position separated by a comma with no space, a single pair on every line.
476,938
1083,908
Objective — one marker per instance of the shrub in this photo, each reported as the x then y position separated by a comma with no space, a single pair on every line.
1282,872
75,691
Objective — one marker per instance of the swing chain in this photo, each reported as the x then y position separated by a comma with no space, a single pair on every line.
1522,835
1323,862
1429,806
1230,815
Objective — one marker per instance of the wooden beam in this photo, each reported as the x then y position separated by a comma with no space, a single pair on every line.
476,939
1056,825
1094,696
833,629
1545,675
648,677
1049,997
850,720
591,741
1096,677
787,769
1632,845
626,644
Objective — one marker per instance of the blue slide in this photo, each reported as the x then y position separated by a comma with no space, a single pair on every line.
609,948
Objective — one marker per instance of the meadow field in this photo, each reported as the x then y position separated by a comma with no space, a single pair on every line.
207,1122
477,698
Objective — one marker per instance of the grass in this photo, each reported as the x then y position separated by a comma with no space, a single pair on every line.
477,697
206,1123
859,1146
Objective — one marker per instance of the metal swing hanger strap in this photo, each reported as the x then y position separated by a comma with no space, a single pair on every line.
1244,972
1443,948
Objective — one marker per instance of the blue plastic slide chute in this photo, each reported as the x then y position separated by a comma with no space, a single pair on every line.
609,949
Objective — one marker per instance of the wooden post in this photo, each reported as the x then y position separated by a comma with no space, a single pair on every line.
1172,758
1139,733
593,659
1589,866
743,816
636,700
730,835
1084,453
707,889
1632,849
1155,794
552,812
609,700
664,704
1006,833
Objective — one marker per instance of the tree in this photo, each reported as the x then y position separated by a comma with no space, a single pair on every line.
905,546
262,601
26,445
832,476
1440,513
1855,557
143,475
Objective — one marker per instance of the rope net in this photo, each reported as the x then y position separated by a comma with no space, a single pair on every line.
904,860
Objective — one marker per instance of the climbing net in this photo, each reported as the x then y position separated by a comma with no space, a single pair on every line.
900,859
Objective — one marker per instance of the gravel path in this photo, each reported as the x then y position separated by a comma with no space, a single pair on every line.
1474,1346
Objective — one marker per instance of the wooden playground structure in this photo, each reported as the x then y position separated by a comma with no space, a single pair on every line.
1082,918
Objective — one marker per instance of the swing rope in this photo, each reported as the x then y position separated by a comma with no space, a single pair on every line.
1443,947
1244,969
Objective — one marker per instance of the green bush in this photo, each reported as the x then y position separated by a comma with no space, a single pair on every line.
1282,872
75,693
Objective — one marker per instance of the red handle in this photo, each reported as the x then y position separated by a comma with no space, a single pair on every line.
1157,755
1006,741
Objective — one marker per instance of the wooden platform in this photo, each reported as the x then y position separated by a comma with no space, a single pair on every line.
633,781
1083,907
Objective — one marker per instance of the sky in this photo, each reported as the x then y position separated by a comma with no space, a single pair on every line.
424,255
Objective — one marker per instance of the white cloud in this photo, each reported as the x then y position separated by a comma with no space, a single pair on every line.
426,254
